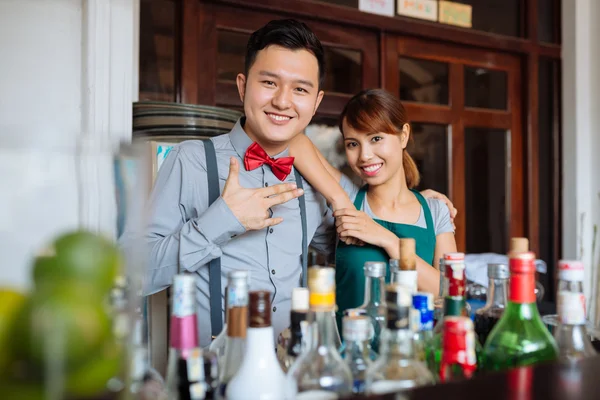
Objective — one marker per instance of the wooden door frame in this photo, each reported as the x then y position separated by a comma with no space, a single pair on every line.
458,117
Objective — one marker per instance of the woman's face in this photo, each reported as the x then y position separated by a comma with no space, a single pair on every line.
375,157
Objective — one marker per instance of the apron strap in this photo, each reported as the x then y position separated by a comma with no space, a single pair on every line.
304,258
214,267
426,211
360,197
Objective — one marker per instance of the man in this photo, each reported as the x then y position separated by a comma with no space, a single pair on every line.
255,224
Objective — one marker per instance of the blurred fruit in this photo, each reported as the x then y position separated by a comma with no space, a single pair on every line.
91,378
79,256
11,305
65,321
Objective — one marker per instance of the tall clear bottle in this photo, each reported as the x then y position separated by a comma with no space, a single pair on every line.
320,371
192,373
571,334
298,328
237,324
397,368
259,377
357,352
497,292
374,303
520,338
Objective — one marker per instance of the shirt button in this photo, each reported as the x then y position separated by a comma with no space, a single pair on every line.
274,309
266,184
271,230
273,271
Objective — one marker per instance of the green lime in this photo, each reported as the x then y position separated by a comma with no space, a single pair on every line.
11,305
62,325
82,257
92,377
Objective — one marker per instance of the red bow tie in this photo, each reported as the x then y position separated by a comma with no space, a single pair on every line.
256,156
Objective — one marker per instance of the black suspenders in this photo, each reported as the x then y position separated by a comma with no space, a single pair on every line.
214,268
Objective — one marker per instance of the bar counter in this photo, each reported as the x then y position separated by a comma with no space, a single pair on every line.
554,381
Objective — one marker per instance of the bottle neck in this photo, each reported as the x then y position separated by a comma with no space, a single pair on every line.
454,306
571,303
259,343
296,328
497,293
397,343
443,285
357,347
522,288
323,330
184,326
374,291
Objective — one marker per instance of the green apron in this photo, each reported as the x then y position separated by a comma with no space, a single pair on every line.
350,260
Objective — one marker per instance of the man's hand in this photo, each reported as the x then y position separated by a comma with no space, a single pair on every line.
251,206
432,194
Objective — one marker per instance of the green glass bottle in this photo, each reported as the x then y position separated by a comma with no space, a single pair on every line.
520,337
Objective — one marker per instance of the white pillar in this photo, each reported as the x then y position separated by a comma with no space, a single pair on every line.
66,77
580,131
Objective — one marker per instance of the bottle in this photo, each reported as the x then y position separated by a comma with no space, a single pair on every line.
571,334
520,337
397,368
458,355
406,273
438,302
374,303
298,328
259,377
146,383
192,373
455,305
449,260
320,371
359,312
423,305
497,291
237,324
357,353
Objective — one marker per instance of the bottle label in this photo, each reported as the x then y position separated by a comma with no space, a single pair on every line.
237,296
571,308
183,296
195,369
317,395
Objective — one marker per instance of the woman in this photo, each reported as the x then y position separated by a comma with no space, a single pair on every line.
370,220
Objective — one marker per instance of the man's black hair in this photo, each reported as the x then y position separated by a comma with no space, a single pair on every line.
289,34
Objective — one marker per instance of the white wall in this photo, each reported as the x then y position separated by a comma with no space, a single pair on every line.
67,77
580,130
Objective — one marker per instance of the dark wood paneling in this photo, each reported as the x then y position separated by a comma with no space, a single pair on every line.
518,172
456,154
190,43
435,114
484,118
390,73
398,25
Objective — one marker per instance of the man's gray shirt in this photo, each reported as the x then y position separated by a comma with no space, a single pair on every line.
185,233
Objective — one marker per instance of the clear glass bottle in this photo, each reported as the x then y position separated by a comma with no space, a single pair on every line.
458,357
423,325
237,324
191,372
438,302
520,337
497,292
320,371
357,353
259,377
298,326
406,273
146,383
571,334
374,303
396,368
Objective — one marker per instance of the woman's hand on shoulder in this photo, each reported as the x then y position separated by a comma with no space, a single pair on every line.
353,224
432,194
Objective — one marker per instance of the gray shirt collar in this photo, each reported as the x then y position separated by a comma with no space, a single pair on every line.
241,141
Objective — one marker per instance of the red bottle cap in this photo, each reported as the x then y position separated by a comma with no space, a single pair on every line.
456,256
522,277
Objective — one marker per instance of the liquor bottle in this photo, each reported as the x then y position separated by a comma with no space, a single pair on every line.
447,269
357,353
320,371
237,324
438,302
571,334
407,265
259,377
397,368
359,312
374,303
520,337
192,374
298,328
423,305
497,291
145,383
455,305
458,355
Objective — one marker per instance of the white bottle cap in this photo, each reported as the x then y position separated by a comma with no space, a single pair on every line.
571,270
300,297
